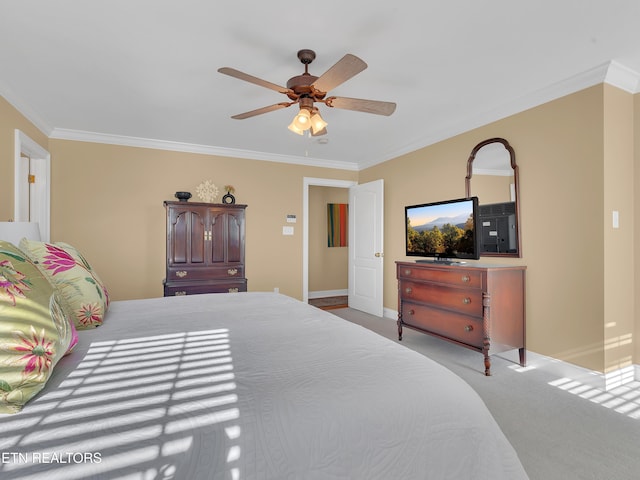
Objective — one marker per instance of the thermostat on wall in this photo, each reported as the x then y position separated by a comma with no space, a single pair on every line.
291,219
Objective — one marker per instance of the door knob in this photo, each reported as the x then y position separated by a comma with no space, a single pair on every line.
378,254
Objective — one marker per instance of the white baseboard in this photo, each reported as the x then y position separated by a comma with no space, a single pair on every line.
390,313
328,293
576,373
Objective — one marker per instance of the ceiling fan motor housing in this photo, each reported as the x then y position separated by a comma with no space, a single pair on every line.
301,86
306,56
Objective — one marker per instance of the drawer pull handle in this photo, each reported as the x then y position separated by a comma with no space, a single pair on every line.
466,278
182,273
468,328
407,290
407,272
232,271
233,290
180,293
412,312
466,301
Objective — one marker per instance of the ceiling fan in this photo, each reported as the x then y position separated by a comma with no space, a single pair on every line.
306,90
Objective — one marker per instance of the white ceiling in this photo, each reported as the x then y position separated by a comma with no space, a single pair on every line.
144,72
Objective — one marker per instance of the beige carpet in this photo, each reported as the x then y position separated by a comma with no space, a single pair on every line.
561,428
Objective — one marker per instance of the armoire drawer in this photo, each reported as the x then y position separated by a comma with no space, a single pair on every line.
175,273
467,301
457,276
461,328
178,289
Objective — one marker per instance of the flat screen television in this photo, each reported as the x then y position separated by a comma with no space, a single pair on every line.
445,230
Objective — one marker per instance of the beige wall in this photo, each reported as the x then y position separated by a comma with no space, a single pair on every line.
107,200
618,252
576,157
636,217
559,150
328,266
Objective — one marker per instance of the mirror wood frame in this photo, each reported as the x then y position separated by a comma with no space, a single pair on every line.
514,166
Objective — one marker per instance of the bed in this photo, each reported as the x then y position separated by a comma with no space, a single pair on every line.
249,386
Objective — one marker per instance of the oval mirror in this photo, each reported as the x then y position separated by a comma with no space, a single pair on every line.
492,167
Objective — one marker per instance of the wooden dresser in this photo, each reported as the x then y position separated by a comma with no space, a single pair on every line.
477,306
205,248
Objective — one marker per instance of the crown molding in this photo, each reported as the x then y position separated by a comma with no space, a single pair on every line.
623,78
25,110
122,140
612,73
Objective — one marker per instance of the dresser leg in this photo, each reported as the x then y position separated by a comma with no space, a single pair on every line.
400,330
487,364
486,341
523,357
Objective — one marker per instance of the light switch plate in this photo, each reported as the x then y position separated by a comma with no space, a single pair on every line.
287,230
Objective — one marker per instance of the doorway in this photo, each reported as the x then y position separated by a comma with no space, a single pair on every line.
307,183
328,246
368,205
32,191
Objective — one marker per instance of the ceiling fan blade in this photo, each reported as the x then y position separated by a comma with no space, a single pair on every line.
260,111
347,67
232,72
360,105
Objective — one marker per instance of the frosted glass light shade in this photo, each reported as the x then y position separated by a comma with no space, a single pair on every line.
303,119
317,123
295,129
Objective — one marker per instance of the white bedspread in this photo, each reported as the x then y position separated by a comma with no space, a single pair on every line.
249,386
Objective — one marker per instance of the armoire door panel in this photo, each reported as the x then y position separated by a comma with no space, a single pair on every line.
234,238
218,237
197,241
180,234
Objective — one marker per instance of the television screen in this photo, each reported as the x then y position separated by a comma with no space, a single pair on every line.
443,230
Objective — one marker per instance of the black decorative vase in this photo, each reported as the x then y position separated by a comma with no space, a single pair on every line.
183,196
228,198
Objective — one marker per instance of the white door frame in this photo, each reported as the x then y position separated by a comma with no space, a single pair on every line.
306,183
40,201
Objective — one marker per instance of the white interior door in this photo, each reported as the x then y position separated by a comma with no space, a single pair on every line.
366,262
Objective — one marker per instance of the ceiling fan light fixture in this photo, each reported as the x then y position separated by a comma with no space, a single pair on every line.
317,123
303,119
294,128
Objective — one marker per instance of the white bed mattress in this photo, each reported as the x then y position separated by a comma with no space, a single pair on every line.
249,386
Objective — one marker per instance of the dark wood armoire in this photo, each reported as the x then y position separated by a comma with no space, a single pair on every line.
205,248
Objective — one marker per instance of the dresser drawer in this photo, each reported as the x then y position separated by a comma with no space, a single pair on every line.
463,300
205,273
462,277
177,289
461,328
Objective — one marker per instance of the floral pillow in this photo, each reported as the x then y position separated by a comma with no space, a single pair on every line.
34,331
84,297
